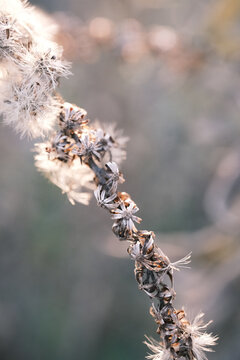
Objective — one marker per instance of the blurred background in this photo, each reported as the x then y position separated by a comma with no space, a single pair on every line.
167,72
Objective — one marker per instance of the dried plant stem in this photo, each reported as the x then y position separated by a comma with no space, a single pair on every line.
79,156
151,266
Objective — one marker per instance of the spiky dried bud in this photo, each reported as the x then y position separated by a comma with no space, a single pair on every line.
72,118
113,141
114,176
109,202
71,177
125,214
79,156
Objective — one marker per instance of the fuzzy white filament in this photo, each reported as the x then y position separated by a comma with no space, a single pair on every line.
78,157
32,65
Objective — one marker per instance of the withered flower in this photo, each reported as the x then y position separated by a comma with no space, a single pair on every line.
88,148
75,157
103,200
72,117
114,176
125,214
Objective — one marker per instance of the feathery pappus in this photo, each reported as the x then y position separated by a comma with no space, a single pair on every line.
79,157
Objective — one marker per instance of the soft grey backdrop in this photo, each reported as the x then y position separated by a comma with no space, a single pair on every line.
67,289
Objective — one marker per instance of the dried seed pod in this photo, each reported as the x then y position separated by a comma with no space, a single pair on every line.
75,158
72,117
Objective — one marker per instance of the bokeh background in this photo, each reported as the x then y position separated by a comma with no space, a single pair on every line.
170,78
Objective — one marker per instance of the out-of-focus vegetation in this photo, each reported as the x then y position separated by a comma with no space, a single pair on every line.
67,290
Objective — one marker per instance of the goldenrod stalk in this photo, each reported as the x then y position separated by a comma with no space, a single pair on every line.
78,157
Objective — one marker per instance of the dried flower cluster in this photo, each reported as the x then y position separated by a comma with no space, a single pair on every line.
78,149
66,157
78,157
31,64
